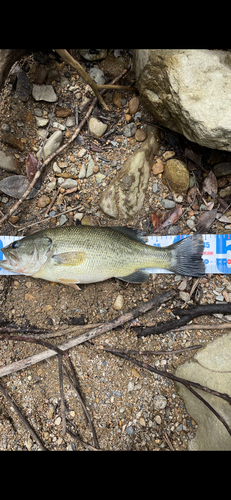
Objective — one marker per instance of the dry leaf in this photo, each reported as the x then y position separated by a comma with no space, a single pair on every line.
223,218
170,218
206,221
210,185
31,167
15,186
155,221
193,156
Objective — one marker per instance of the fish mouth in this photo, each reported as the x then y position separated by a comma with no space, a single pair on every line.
11,260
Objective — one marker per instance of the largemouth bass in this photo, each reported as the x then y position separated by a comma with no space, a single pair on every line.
86,254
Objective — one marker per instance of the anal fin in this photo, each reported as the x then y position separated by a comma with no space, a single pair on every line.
137,277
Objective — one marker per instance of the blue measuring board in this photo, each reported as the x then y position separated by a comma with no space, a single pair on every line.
217,251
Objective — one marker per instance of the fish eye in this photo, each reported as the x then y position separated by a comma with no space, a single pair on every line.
15,245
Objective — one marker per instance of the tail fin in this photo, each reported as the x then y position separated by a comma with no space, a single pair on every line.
187,256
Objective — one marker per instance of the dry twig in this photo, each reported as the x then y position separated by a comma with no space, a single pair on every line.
81,339
22,418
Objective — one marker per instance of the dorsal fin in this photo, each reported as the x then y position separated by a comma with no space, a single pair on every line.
133,234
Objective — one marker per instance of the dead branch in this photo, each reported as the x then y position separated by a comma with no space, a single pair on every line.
81,339
22,418
185,316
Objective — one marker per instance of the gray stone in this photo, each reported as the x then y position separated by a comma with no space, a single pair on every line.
44,93
99,178
155,188
97,75
9,164
130,431
90,168
126,194
97,128
53,143
82,173
63,220
71,122
129,130
188,91
41,122
69,184
190,224
168,204
160,402
211,368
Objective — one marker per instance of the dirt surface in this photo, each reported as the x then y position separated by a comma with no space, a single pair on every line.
122,400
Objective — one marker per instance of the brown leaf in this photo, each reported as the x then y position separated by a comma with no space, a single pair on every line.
155,221
193,156
206,220
170,218
31,167
210,185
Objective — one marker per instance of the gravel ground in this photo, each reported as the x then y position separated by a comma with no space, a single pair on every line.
131,408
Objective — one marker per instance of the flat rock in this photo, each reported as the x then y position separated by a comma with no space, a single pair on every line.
70,184
211,368
53,143
125,195
9,164
44,93
97,128
188,91
222,170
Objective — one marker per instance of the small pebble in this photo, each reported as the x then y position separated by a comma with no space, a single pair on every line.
158,420
58,421
134,105
168,204
44,201
119,303
130,431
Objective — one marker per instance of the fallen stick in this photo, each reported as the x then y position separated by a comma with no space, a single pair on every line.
186,315
92,334
22,418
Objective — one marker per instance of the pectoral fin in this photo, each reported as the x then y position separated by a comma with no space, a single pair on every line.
69,258
72,284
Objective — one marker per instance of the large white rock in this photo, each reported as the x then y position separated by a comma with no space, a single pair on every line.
188,91
210,368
